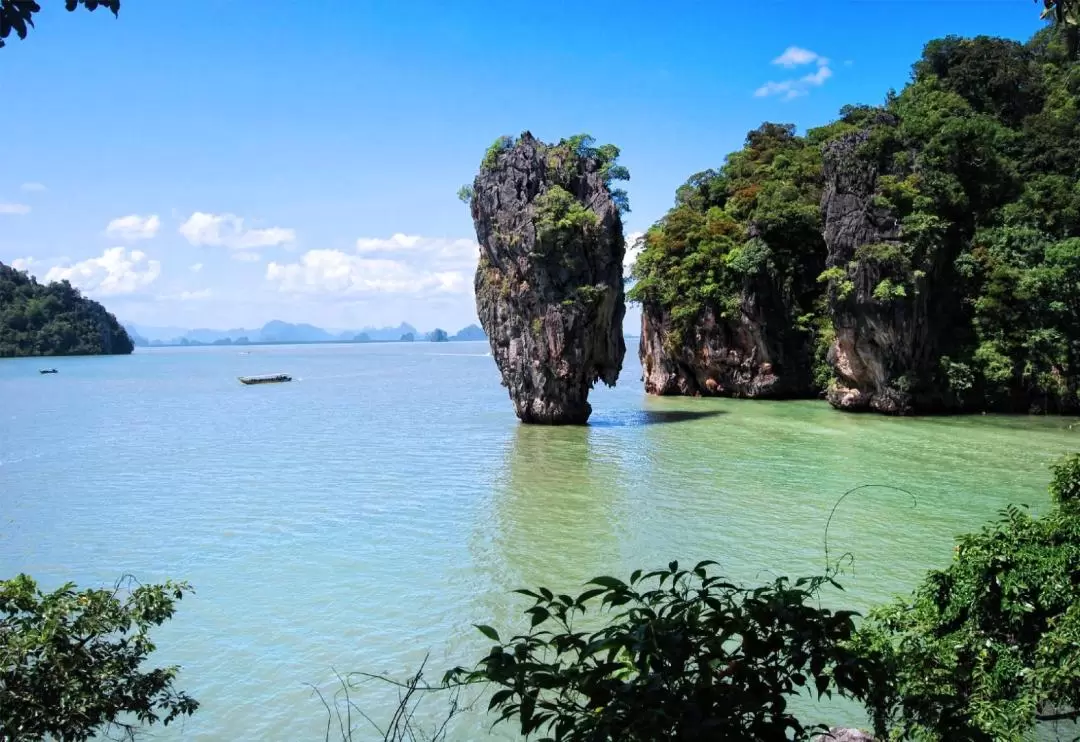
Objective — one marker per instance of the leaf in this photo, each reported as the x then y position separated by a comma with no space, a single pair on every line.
611,583
499,698
487,631
589,595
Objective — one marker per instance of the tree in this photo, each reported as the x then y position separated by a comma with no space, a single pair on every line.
988,648
1066,15
71,662
54,320
684,655
18,15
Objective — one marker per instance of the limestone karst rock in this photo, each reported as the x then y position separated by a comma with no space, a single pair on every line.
549,283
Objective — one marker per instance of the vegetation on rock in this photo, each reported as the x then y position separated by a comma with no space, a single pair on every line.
549,283
54,320
975,276
72,662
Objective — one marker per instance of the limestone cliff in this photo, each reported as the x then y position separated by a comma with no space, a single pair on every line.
727,279
888,301
549,288
745,357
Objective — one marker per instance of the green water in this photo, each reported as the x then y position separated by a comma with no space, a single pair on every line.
370,512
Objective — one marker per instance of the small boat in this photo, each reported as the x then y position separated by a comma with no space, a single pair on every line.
267,379
48,371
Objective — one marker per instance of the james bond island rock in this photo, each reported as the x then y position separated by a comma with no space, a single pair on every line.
549,283
54,320
728,278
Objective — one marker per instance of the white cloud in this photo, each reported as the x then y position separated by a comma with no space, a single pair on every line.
33,187
195,268
117,271
227,230
22,264
819,77
134,227
793,57
401,264
436,253
635,243
14,209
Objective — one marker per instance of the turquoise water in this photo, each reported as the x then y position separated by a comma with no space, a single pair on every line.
370,512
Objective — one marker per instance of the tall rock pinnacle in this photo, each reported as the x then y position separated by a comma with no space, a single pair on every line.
549,283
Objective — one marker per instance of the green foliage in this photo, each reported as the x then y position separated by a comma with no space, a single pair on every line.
989,647
54,320
756,222
976,162
18,15
578,152
683,655
491,156
71,662
465,194
1065,485
558,212
886,291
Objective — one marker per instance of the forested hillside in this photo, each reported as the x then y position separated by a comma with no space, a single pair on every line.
54,320
921,255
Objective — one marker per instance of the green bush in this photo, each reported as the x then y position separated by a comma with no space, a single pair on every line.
988,648
72,662
684,655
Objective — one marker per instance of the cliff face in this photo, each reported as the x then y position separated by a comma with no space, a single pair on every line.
727,279
549,288
889,301
755,356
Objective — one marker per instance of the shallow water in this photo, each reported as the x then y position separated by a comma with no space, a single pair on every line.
368,513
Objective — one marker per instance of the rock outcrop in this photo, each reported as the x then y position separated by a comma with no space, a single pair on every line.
885,313
727,279
549,286
750,357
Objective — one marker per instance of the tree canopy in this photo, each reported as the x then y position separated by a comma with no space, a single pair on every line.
976,160
54,320
72,662
18,15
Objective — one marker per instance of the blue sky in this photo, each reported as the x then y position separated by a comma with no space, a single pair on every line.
228,162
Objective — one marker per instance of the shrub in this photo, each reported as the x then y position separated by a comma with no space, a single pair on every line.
71,662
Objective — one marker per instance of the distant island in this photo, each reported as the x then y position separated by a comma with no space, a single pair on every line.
54,320
277,332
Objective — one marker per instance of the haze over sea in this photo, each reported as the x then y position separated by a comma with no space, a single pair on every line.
374,509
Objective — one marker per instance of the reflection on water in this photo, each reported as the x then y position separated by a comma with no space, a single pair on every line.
554,506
